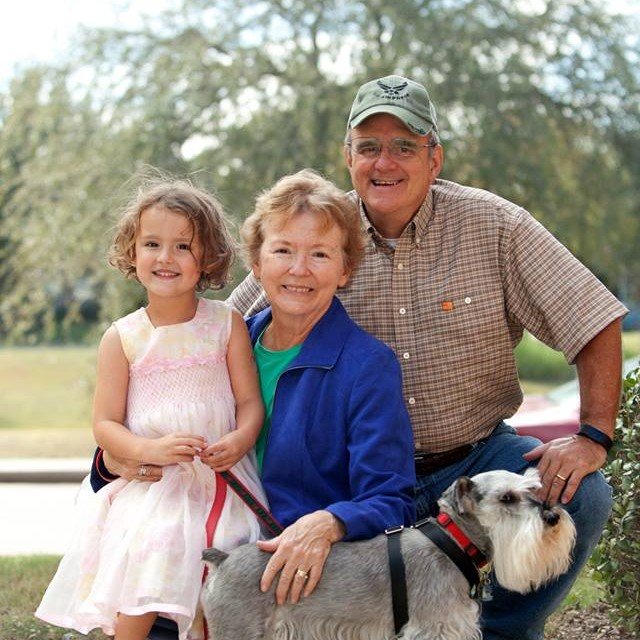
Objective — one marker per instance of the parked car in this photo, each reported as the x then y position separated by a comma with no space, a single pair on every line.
556,413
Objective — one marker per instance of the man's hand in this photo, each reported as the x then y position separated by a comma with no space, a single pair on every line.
300,550
565,461
562,465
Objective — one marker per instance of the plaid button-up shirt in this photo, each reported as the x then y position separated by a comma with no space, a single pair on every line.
467,275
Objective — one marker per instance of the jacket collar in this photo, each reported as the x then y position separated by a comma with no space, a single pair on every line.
324,343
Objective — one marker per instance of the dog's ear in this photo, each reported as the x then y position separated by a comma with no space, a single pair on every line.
533,476
214,556
464,502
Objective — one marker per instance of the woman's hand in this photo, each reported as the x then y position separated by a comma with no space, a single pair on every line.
224,453
299,554
173,448
131,469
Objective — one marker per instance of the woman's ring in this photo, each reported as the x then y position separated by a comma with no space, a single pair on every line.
561,477
301,573
142,470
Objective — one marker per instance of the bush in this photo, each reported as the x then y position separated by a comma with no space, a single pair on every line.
617,558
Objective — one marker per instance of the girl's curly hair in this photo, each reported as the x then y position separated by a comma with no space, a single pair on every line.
205,215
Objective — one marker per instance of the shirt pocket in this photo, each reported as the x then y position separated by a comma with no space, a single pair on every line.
470,323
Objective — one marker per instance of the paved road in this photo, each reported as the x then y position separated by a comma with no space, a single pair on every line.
36,518
37,498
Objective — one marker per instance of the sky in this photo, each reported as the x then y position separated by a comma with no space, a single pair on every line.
40,30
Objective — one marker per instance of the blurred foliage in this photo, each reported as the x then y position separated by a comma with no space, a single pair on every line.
617,558
538,362
538,101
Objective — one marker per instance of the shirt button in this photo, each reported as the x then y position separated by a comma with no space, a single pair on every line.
412,400
400,266
467,300
405,355
402,311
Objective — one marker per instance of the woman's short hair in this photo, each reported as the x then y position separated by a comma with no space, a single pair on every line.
205,215
305,192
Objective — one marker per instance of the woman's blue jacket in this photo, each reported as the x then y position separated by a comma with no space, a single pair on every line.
340,435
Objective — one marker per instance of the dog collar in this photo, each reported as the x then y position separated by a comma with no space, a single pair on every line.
465,555
461,538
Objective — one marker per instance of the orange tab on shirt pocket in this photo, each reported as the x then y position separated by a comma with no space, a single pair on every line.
447,305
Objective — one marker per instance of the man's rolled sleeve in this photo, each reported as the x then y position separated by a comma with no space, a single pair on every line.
551,293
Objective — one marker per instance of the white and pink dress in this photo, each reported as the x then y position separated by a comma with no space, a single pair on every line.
138,545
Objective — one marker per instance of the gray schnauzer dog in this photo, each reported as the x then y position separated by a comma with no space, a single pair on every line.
527,543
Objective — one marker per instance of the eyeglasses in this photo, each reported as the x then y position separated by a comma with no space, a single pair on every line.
398,148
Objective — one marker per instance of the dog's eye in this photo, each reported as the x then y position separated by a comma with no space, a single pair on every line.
508,498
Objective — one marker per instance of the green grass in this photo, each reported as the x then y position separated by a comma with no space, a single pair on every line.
23,580
46,387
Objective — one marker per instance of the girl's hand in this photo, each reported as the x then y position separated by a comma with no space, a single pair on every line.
173,448
224,453
300,550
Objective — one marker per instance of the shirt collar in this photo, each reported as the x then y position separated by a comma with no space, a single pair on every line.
419,223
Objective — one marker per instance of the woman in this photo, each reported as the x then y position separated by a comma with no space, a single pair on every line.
336,450
338,461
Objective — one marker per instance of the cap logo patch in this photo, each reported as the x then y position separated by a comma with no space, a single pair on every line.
393,93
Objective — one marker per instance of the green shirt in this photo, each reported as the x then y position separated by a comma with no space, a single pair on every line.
270,365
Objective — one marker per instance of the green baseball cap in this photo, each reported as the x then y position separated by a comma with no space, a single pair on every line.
398,96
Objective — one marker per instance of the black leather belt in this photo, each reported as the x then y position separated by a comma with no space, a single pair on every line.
429,462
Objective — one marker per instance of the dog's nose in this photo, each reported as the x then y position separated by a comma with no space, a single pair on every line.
550,517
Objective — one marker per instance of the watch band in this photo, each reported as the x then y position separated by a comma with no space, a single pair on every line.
601,438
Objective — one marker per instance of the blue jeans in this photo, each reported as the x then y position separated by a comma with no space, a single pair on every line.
511,615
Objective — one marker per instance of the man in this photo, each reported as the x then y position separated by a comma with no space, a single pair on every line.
451,278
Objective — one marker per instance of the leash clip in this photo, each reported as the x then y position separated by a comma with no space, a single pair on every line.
391,530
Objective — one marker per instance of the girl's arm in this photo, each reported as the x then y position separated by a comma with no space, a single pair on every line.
243,373
109,410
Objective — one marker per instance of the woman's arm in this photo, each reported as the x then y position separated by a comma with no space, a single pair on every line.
109,410
381,479
380,451
224,453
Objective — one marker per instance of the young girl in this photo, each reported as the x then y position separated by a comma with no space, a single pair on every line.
176,386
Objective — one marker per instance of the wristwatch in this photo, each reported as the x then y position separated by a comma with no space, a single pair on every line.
590,432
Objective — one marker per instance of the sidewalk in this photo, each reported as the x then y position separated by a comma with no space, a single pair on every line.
44,469
37,498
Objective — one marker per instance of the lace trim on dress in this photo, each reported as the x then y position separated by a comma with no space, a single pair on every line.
160,365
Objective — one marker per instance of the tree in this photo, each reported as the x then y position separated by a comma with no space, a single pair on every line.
538,101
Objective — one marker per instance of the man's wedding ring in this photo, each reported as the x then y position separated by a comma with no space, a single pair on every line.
561,477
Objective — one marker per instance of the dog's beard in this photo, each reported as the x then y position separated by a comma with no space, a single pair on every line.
531,553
